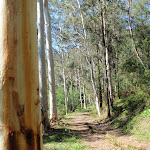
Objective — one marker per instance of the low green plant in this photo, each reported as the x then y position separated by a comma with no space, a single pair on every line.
132,115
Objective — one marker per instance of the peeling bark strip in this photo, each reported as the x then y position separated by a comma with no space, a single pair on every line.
19,116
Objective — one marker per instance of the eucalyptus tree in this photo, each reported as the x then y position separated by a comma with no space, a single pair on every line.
20,115
89,59
65,87
100,31
42,62
131,33
79,79
51,76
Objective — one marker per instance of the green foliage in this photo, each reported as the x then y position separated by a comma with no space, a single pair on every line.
146,78
132,114
132,65
60,98
76,98
127,72
63,138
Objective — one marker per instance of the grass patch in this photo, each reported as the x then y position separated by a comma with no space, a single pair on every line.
63,138
118,143
132,115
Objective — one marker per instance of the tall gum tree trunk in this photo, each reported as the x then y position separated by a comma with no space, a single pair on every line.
80,88
51,76
109,77
42,64
99,81
72,94
84,96
106,60
20,113
83,26
132,38
117,71
94,89
64,78
65,92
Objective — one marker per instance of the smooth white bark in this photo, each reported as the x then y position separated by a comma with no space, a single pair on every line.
51,76
82,20
65,88
132,37
72,94
42,66
80,88
94,89
84,96
109,77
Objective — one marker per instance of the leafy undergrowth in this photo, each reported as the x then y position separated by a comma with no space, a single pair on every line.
132,115
63,138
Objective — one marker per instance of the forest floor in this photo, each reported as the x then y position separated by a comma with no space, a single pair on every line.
79,131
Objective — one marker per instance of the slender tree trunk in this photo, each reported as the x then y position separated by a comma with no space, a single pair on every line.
76,79
99,81
68,100
82,19
42,67
80,88
84,30
94,70
64,78
107,88
94,89
100,87
132,38
70,103
20,114
109,77
106,46
72,94
106,62
84,96
89,100
51,76
65,92
117,70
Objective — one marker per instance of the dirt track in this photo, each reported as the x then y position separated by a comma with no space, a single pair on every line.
101,136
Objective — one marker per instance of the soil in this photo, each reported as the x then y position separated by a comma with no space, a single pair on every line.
102,136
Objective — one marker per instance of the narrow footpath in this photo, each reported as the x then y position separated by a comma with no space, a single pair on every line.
100,135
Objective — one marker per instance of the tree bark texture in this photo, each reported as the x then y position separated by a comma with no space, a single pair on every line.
42,64
20,115
51,76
